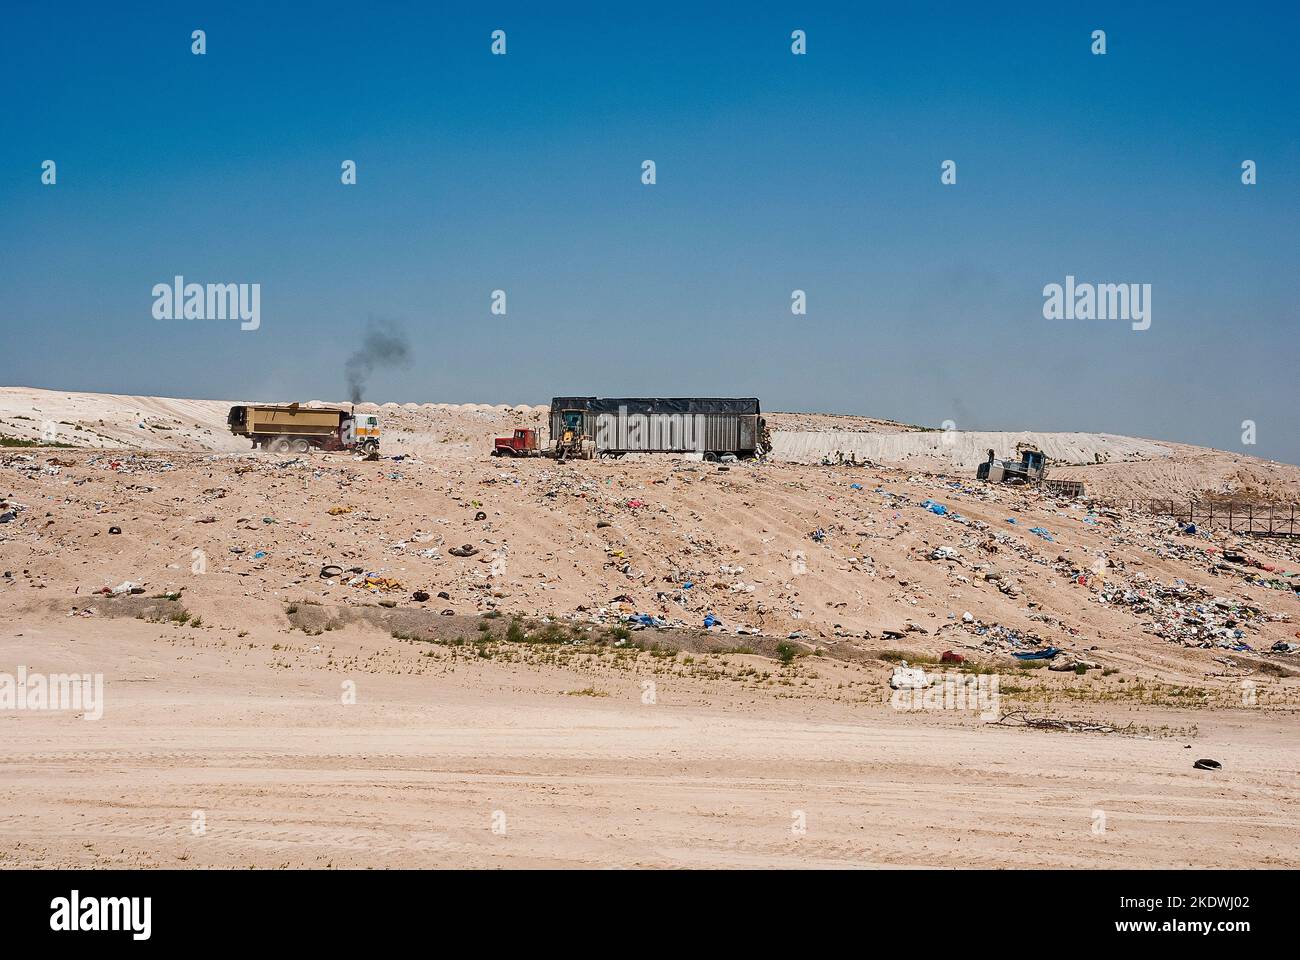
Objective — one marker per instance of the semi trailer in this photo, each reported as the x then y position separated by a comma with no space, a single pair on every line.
613,427
283,428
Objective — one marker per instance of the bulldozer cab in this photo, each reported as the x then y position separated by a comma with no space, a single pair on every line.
572,442
572,420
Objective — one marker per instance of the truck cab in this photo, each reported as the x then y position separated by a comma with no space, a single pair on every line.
522,444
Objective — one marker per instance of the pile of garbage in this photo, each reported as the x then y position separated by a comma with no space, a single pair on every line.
1184,613
998,637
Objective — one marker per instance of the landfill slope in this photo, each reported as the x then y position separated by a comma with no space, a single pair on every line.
650,661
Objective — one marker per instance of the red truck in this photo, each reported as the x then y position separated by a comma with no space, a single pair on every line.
522,444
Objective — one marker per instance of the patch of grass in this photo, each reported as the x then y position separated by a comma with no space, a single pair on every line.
786,652
551,633
7,441
911,656
586,692
291,609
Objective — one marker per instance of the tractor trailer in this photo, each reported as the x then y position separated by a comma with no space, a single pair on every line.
283,428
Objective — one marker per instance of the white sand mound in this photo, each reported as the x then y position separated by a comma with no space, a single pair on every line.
960,449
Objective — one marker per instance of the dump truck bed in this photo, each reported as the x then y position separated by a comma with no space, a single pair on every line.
285,421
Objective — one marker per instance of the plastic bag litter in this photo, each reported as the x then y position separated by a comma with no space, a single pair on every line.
909,678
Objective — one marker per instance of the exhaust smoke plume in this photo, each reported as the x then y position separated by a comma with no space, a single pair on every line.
384,345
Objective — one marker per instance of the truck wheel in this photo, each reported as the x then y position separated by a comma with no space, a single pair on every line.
302,446
280,445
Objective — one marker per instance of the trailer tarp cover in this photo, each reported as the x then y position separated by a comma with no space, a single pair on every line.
645,405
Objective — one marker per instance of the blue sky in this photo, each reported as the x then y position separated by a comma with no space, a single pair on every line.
775,172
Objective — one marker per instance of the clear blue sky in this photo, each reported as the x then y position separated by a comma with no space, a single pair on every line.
775,172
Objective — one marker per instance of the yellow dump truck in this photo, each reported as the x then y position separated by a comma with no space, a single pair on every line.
285,428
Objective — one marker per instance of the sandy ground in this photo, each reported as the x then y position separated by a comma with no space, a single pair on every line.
581,739
420,770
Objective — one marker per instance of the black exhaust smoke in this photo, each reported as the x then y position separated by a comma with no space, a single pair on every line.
384,345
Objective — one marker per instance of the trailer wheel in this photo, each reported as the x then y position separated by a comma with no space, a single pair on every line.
302,446
280,445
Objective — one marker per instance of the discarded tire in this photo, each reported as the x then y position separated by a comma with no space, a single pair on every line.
329,571
1208,765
